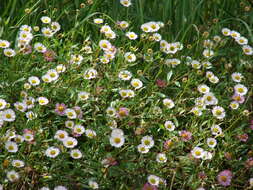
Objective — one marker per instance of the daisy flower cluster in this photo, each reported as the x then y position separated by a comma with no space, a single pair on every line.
125,106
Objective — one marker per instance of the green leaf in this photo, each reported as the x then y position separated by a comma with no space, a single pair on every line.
169,75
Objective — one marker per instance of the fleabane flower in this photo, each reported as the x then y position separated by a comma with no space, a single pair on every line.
240,89
130,57
43,101
76,154
224,177
52,152
168,103
11,146
70,142
142,149
98,21
47,32
61,135
12,176
3,103
90,74
153,180
131,35
169,125
136,83
45,19
203,89
211,142
90,133
17,163
125,3
197,152
4,44
9,52
226,31
117,140
34,81
218,112
161,158
248,50
70,113
125,75
83,95
8,115
93,184
216,130
208,53
147,141
237,77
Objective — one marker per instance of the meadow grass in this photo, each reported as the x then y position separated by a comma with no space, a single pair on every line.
173,162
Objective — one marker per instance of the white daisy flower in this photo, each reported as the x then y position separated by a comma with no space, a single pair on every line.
130,57
70,142
147,141
98,21
117,141
8,115
61,135
52,152
12,176
79,129
125,3
53,74
208,53
216,130
70,124
9,52
60,187
210,99
4,44
47,32
131,35
70,113
76,154
125,75
136,83
203,89
226,31
20,106
207,155
90,133
211,142
168,103
236,77
17,163
28,137
241,40
83,95
55,26
161,158
43,101
240,89
153,180
197,152
218,112
11,146
3,104
45,19
142,149
234,105
169,125
34,81
248,50
92,184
